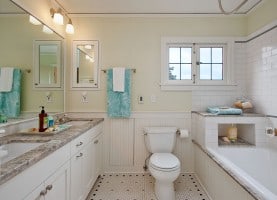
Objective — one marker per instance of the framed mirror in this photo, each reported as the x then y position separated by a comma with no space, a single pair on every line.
17,38
85,64
47,64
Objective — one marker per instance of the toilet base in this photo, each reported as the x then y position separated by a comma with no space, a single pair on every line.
164,190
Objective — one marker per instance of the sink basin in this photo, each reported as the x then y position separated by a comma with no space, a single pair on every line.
13,150
77,123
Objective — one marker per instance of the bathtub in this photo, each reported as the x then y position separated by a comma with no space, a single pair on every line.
255,168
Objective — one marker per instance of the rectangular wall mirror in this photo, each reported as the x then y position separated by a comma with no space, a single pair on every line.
17,38
85,64
47,64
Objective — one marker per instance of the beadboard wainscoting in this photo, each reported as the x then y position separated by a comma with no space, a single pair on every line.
123,140
124,145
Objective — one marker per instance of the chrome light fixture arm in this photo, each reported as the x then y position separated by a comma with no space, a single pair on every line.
232,11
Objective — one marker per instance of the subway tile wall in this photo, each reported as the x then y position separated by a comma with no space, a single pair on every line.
260,72
255,64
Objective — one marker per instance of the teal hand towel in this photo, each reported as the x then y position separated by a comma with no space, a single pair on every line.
224,111
10,101
119,103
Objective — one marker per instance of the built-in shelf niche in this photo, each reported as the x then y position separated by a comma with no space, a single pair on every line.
246,134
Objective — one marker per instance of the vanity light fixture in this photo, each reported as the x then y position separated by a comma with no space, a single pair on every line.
69,27
34,21
57,16
46,29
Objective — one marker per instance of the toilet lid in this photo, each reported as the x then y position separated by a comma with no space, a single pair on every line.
164,161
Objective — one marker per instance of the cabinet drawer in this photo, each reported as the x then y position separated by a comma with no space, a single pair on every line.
78,143
81,141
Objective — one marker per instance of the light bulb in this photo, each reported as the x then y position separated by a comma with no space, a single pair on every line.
69,27
33,20
58,17
47,30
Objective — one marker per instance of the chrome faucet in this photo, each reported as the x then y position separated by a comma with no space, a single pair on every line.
61,119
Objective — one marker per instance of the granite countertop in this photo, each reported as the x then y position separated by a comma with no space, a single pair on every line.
49,144
206,114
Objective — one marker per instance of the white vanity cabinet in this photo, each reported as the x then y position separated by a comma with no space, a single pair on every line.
56,187
85,162
67,173
51,174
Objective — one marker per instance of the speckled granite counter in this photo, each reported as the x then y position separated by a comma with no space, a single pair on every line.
206,114
49,144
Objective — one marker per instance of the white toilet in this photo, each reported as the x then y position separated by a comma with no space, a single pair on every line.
163,165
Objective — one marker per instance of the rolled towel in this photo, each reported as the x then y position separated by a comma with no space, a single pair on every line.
6,79
118,79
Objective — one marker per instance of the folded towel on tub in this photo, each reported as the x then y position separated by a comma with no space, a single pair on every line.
224,111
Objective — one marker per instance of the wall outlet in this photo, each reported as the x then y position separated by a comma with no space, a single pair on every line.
269,130
140,99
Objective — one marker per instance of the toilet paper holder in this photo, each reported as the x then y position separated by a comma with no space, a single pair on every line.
183,133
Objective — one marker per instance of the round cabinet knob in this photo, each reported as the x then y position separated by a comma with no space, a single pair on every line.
79,144
43,193
49,187
80,155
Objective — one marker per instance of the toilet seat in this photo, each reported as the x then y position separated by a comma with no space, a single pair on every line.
164,162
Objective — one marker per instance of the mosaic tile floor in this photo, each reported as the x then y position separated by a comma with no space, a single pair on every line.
128,186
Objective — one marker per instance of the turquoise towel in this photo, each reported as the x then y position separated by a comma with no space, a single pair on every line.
224,111
10,101
119,103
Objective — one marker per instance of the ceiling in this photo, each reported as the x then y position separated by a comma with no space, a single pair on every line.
154,6
7,7
142,6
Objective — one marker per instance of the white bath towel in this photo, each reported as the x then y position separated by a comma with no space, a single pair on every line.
6,79
118,79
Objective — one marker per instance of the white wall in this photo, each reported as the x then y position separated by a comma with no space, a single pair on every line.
258,75
136,42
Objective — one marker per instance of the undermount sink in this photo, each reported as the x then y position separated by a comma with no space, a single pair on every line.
77,122
12,150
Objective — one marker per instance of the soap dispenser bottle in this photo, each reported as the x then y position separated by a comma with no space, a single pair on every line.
42,120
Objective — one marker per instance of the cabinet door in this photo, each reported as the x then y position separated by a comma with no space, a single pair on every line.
57,186
38,194
88,164
98,156
76,186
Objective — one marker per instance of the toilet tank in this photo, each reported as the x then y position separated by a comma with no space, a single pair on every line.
160,139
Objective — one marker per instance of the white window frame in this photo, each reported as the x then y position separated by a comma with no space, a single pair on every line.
228,78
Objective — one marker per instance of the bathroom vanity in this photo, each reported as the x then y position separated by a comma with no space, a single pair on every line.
64,166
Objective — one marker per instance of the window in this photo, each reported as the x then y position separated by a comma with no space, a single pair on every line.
180,63
196,62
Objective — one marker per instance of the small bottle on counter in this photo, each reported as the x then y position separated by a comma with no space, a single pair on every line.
232,133
50,121
43,121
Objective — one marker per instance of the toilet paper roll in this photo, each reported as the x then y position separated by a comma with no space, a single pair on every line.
184,133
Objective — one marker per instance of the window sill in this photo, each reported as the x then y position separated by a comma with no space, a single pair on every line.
198,87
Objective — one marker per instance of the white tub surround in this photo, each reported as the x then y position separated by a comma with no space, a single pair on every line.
250,163
219,182
252,167
207,128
